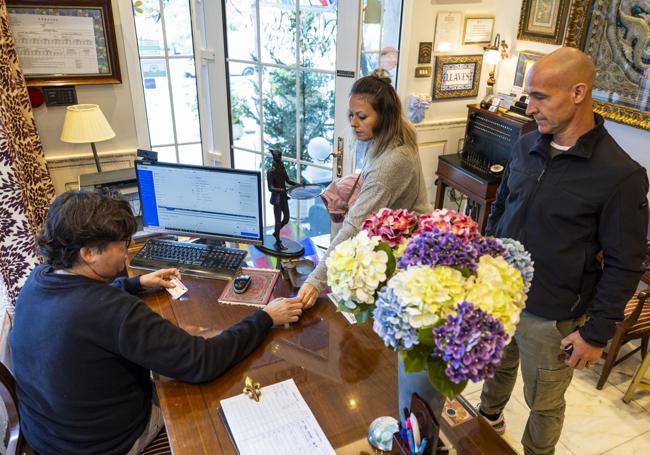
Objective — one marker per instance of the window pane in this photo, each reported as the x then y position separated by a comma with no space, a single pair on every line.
166,154
244,100
156,95
318,113
186,105
190,154
370,38
178,27
149,29
253,162
279,88
369,62
318,37
241,31
278,29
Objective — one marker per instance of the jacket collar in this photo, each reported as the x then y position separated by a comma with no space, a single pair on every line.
583,148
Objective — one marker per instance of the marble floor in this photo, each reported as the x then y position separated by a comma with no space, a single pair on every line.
597,421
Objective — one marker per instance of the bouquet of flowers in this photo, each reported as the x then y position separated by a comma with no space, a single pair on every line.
445,297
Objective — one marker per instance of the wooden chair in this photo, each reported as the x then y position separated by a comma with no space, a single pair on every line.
636,325
16,444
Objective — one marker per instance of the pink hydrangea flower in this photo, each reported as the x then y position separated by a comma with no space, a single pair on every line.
449,221
393,226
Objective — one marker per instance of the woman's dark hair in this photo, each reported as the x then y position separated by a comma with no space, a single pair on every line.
79,219
391,125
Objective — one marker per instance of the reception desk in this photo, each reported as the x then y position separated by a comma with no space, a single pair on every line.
344,372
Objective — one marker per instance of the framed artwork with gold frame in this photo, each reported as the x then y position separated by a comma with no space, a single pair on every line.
543,20
61,42
457,76
614,34
525,62
478,29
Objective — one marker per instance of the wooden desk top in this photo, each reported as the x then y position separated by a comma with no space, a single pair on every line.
344,372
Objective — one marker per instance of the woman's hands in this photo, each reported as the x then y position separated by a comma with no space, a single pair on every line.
308,294
160,277
284,310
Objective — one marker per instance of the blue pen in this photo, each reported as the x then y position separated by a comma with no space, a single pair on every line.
423,444
409,433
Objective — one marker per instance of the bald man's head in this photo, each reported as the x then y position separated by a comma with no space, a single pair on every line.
559,88
566,66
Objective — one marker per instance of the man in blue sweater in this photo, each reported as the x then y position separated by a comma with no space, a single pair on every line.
82,349
568,193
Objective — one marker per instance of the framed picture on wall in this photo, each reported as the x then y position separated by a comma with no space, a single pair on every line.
65,42
457,76
478,30
614,34
543,20
525,62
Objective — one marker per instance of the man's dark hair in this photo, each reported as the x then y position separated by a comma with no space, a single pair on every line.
79,219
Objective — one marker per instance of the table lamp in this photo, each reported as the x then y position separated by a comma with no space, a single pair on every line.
85,123
493,56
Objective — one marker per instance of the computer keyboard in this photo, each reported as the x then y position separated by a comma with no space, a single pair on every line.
207,261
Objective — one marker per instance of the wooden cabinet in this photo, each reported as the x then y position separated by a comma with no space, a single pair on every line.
489,138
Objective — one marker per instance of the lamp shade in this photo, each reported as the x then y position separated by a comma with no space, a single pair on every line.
85,123
492,57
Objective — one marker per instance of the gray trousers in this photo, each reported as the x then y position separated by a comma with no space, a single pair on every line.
536,344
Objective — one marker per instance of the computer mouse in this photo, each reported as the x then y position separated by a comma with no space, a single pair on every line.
241,283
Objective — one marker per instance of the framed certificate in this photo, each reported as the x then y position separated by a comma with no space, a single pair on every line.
65,42
478,30
447,36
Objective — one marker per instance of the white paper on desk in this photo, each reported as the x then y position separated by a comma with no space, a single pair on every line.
280,423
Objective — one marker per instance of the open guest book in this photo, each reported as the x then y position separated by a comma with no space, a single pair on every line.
258,293
280,423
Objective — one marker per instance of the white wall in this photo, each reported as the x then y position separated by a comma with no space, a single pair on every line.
419,26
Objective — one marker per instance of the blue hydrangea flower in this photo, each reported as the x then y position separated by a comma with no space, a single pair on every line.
517,256
471,343
391,322
438,248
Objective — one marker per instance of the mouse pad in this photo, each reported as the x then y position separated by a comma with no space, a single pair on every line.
258,293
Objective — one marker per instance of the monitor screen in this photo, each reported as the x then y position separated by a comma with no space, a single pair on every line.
208,202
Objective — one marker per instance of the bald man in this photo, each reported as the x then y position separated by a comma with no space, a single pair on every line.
568,192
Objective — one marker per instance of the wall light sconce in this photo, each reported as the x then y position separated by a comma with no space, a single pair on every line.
492,56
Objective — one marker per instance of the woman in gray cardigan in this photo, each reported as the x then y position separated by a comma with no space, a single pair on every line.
392,173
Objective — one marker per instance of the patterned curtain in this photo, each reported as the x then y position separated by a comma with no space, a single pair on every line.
26,189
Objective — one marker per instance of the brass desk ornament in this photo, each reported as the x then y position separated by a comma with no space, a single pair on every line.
252,389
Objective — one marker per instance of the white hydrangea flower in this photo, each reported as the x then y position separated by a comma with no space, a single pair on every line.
355,269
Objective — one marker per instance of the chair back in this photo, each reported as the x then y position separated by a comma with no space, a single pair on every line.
16,442
632,317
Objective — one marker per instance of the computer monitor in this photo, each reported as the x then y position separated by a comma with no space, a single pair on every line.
199,201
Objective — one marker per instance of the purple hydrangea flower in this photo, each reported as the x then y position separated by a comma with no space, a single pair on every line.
487,246
471,343
391,322
438,248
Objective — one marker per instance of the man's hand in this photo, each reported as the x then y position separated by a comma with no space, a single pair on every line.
160,277
584,355
283,310
308,295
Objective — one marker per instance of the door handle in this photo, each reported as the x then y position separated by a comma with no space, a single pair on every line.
340,145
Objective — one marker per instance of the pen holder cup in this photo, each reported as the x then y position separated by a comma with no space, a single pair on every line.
429,428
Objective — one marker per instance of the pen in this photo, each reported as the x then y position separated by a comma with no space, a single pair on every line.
423,444
409,434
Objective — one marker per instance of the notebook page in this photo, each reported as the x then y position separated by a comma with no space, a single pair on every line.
281,423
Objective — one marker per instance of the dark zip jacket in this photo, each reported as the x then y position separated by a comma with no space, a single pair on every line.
82,351
565,210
